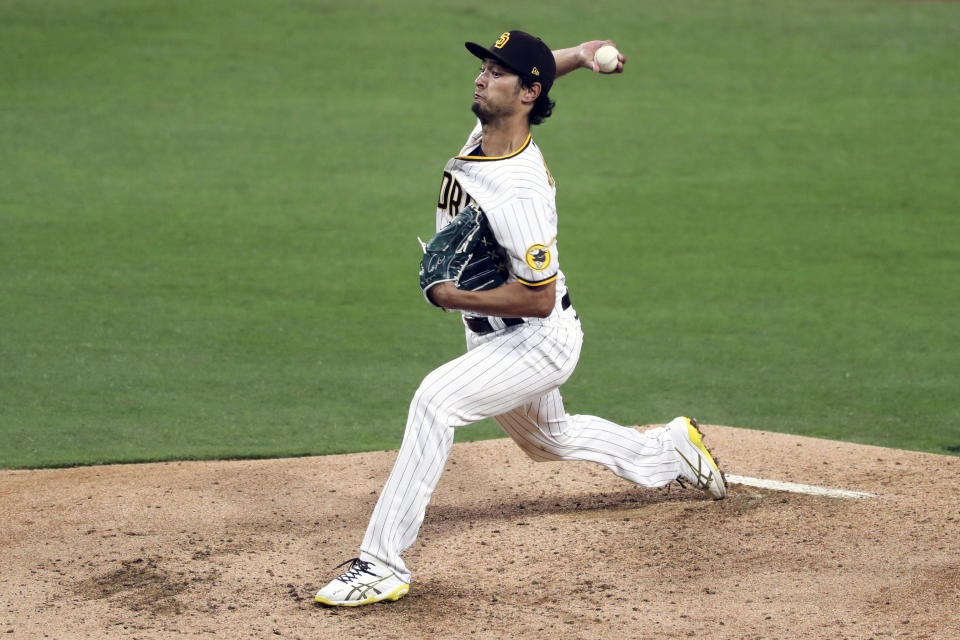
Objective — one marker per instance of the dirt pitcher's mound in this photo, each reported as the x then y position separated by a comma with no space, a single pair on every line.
510,548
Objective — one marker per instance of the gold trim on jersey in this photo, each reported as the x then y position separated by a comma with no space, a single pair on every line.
550,179
526,143
539,283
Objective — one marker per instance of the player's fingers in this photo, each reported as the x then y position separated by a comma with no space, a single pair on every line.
622,61
619,68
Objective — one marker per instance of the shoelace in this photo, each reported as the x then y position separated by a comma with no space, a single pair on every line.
723,476
358,567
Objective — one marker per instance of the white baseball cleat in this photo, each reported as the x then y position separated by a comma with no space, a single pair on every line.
363,583
696,464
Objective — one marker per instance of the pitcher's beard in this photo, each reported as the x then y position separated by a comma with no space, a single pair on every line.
487,115
480,112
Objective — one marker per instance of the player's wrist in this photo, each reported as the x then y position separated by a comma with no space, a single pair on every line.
585,56
437,293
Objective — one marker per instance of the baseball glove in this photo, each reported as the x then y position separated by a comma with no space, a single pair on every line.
464,252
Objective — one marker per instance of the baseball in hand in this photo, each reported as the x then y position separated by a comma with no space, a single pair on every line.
607,58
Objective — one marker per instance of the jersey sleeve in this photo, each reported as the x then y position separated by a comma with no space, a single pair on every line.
527,230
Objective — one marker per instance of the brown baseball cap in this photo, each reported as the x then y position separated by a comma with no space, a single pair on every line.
526,55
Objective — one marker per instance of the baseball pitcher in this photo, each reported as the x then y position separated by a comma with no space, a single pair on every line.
495,259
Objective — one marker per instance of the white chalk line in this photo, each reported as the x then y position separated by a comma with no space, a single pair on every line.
793,487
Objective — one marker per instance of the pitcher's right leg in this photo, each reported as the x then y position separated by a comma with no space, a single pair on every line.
545,432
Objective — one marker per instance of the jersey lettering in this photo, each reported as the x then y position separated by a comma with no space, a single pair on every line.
452,196
444,199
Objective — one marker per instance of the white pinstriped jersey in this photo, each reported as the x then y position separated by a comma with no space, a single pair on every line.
513,376
518,195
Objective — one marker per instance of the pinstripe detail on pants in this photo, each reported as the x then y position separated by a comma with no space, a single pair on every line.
513,376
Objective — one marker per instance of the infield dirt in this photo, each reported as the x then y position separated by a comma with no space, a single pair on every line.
509,549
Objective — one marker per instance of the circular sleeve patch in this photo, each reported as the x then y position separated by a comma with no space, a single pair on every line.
538,257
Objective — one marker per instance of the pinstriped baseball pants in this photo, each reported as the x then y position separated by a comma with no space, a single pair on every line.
513,376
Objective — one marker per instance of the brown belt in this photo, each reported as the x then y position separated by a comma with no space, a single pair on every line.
481,326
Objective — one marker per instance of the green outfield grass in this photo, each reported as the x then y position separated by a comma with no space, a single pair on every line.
210,212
